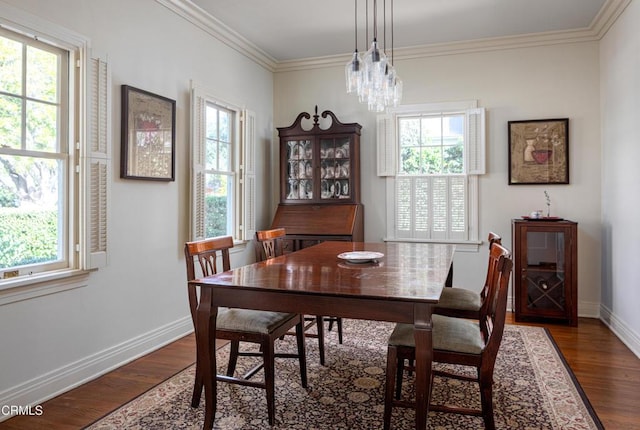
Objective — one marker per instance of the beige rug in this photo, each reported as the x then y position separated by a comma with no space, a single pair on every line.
533,389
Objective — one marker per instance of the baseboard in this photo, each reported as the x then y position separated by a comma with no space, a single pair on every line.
621,330
585,309
56,382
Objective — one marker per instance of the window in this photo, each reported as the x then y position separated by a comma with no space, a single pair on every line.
223,179
54,156
34,155
432,156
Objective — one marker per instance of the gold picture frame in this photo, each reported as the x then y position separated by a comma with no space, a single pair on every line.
148,136
539,151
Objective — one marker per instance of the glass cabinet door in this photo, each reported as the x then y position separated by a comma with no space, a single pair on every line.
544,277
299,170
335,165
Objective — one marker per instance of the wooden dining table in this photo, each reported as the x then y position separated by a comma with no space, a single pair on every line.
402,285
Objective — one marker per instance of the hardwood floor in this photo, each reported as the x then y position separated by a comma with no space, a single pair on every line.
607,370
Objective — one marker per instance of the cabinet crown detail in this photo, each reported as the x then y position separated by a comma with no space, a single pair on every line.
320,166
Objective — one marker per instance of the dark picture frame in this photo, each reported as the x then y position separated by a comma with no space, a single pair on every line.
148,136
539,151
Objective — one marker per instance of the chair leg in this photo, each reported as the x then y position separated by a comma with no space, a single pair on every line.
320,325
302,354
486,399
197,388
233,357
392,365
338,322
399,374
269,379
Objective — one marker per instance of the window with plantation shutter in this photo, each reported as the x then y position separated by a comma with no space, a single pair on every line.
55,160
223,168
431,156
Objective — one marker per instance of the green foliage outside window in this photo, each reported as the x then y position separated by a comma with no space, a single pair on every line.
16,225
431,145
216,216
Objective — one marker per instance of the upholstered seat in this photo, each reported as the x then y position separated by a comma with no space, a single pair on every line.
449,334
459,299
250,321
464,303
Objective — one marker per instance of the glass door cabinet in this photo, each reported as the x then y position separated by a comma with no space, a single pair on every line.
545,270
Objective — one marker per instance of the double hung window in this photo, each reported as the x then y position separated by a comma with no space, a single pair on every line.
432,156
54,154
223,177
34,154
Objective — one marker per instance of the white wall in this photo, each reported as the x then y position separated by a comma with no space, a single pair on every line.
140,300
516,84
620,93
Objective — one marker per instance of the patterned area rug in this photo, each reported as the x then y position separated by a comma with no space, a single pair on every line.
533,389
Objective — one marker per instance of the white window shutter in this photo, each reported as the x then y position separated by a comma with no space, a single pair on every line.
458,207
198,105
97,164
476,145
386,145
248,176
404,207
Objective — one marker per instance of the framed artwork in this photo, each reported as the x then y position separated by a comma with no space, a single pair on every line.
148,136
539,151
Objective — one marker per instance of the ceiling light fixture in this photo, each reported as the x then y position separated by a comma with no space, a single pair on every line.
373,77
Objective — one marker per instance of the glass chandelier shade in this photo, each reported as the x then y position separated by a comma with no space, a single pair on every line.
373,77
353,73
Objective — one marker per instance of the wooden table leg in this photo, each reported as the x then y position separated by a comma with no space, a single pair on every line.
424,357
206,315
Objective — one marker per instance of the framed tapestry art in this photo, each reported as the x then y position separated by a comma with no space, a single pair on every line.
539,151
148,136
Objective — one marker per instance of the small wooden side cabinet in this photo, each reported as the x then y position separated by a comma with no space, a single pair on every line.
545,275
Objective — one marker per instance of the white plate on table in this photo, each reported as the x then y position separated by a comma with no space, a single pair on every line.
359,257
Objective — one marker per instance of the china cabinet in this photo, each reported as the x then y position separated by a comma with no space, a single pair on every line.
545,270
320,181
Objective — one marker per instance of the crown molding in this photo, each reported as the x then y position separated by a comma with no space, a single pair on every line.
605,18
216,28
610,11
450,48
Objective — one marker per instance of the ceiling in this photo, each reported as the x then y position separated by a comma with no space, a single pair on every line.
287,30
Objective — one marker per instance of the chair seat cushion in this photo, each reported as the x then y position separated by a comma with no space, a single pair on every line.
250,321
449,334
459,298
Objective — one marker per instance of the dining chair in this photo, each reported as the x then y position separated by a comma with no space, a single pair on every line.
456,341
236,325
270,244
465,303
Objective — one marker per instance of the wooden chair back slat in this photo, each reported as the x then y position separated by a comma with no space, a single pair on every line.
269,243
206,252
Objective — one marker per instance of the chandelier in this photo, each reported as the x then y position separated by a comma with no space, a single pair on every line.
372,76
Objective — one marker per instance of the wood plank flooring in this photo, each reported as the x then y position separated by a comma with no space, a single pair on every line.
607,370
